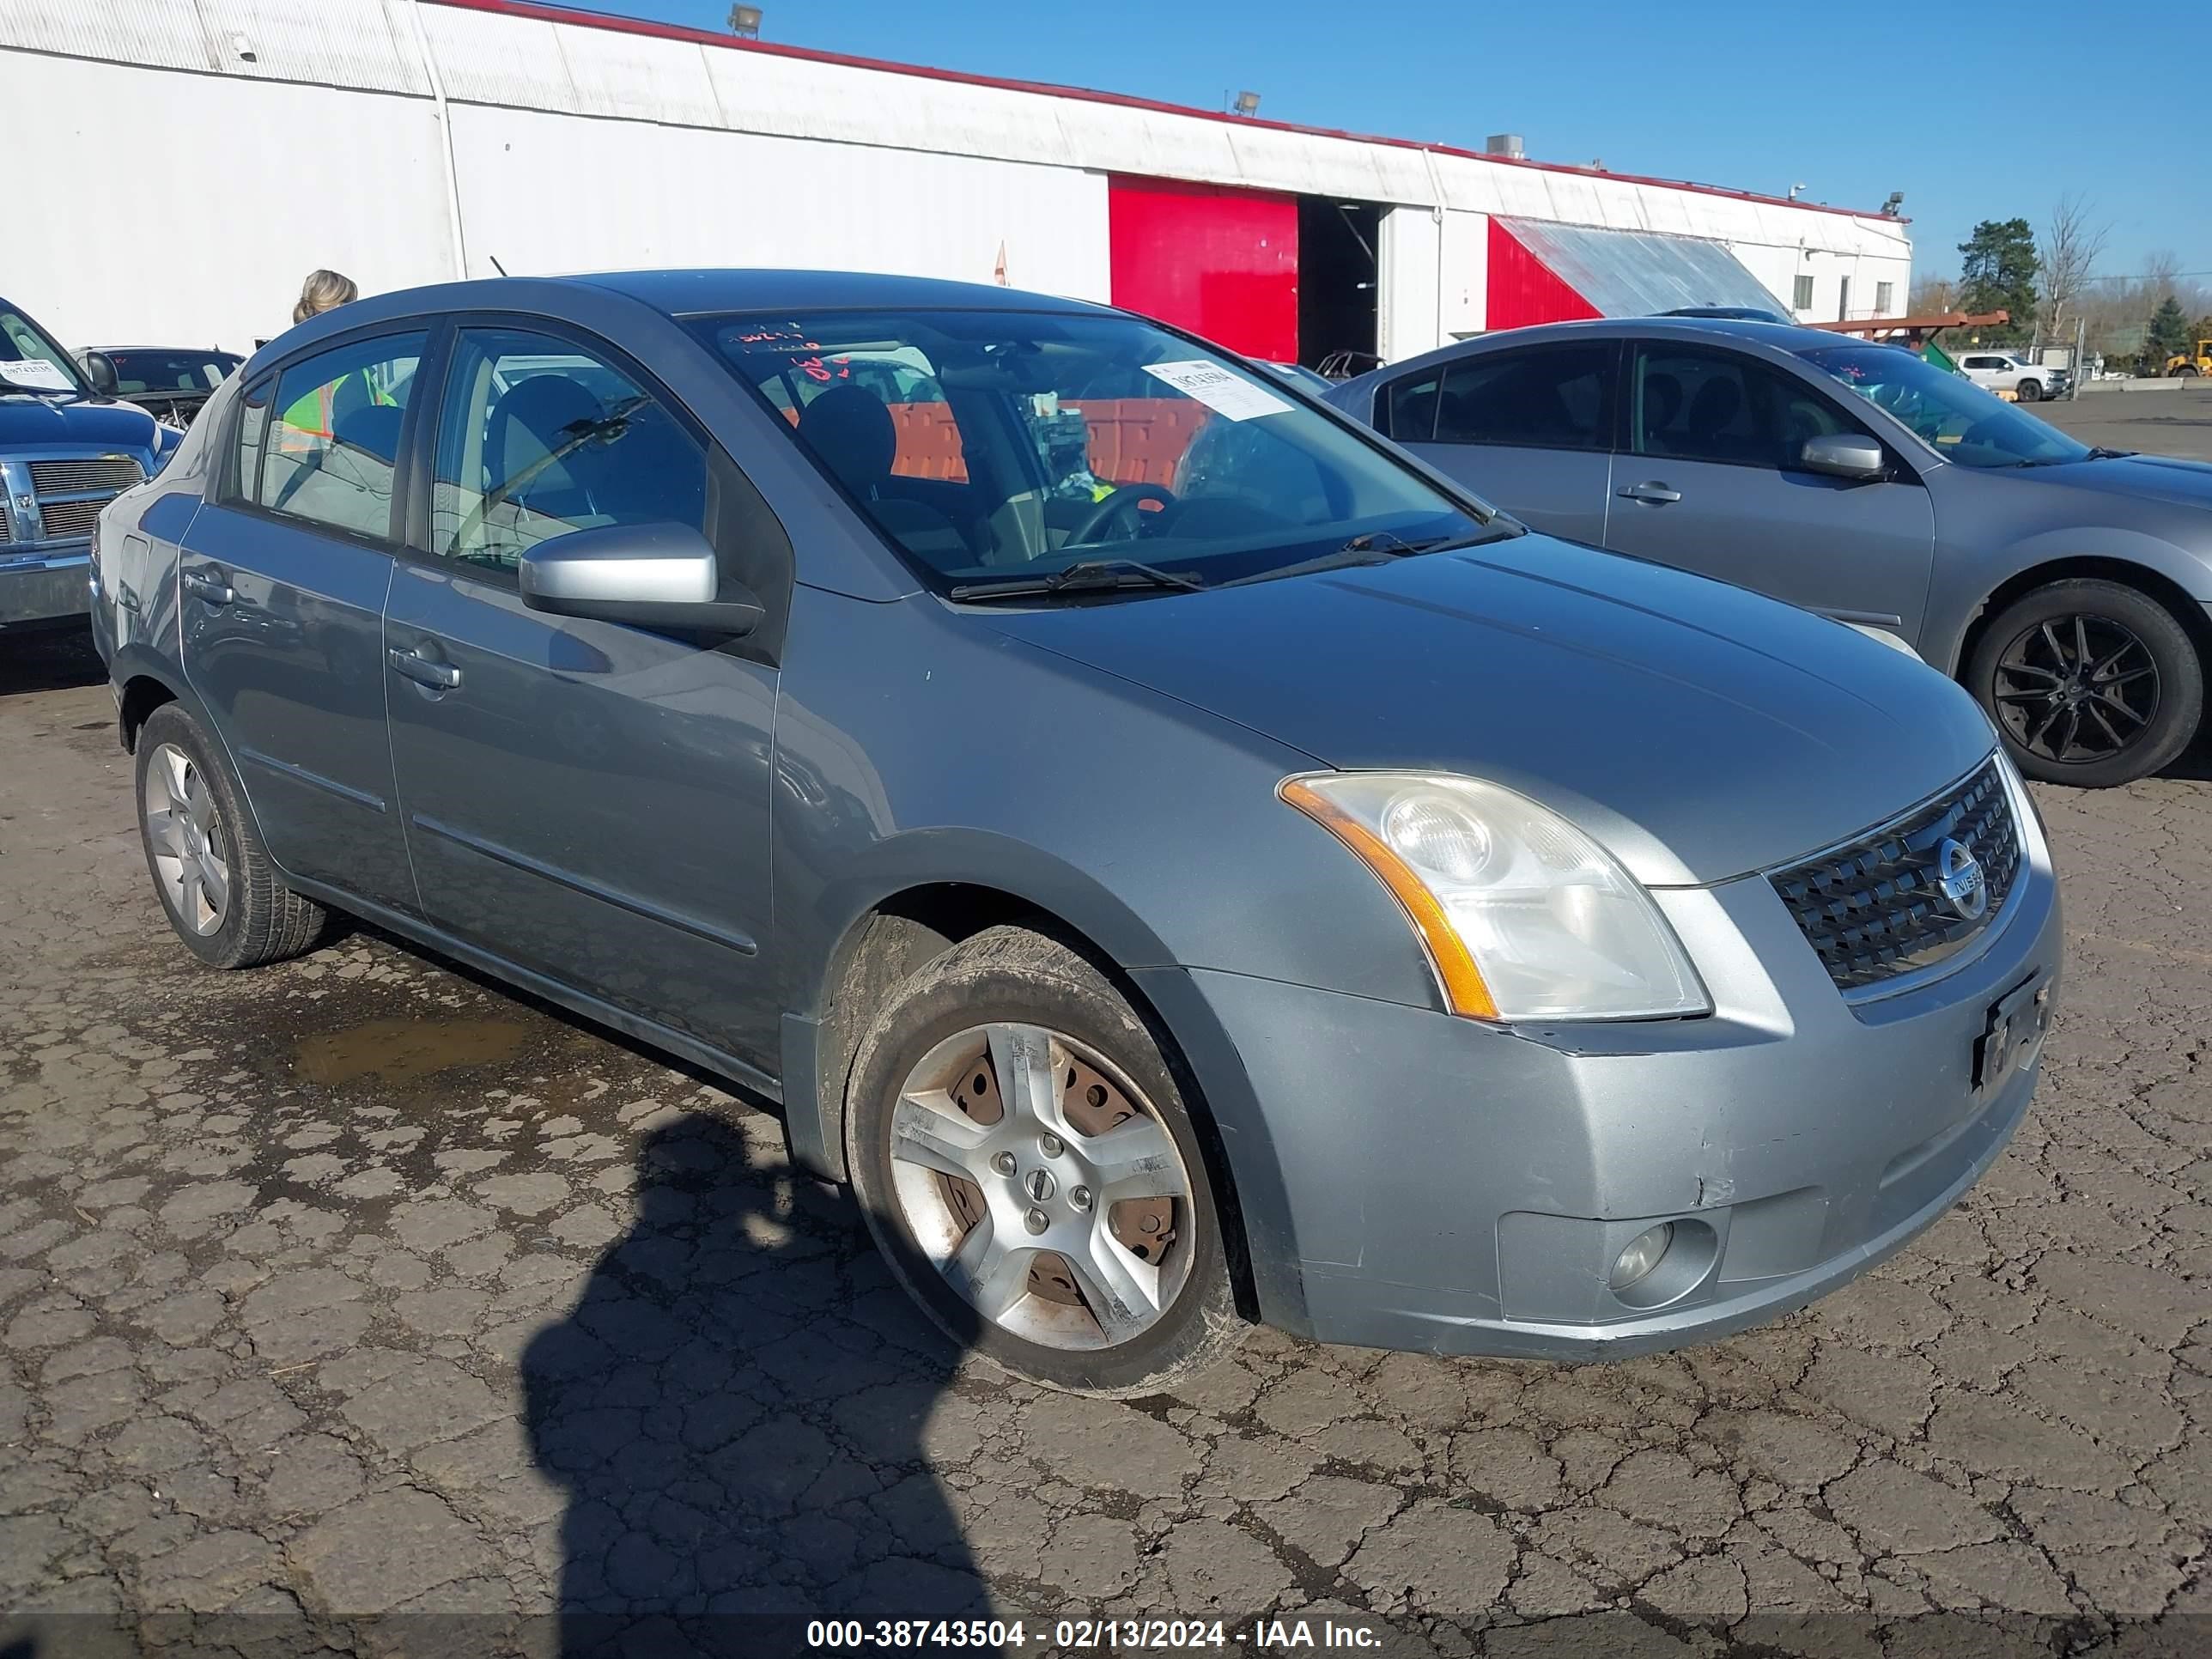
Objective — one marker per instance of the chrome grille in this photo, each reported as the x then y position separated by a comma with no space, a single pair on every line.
66,520
1872,908
111,473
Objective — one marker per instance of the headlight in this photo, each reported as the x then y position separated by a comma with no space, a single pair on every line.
1522,915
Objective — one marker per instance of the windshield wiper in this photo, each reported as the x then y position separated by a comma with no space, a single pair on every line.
1085,576
2098,453
1380,547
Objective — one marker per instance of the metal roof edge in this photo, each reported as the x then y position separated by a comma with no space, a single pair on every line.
615,24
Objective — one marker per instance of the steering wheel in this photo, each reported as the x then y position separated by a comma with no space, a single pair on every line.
1123,499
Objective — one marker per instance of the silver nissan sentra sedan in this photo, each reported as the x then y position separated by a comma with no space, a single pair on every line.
1182,861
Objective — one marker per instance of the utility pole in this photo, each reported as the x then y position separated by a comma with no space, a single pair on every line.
2080,362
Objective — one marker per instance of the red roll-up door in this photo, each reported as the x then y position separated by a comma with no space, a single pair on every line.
1222,264
1523,289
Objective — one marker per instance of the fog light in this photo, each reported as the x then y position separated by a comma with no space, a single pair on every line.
1645,1251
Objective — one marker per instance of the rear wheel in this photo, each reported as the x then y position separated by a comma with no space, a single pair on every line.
220,891
1023,1155
2090,683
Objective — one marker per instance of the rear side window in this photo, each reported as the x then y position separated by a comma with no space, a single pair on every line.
539,437
332,441
1560,398
1409,408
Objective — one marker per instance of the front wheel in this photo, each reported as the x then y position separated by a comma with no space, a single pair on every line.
2029,392
1022,1151
2091,684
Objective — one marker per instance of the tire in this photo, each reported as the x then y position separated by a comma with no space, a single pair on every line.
2029,392
254,919
2020,673
2188,371
926,1076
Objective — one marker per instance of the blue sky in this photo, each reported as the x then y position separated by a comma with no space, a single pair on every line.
1966,134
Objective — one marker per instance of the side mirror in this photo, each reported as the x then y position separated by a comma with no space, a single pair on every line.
100,369
646,575
1844,455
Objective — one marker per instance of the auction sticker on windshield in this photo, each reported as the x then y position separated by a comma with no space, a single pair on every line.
1231,395
38,373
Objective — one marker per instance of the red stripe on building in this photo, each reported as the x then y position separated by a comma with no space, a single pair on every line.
1222,264
1523,289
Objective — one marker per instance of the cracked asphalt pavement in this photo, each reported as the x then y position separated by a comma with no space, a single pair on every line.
357,1291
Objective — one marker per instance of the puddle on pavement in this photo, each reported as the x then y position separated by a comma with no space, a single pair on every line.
406,1050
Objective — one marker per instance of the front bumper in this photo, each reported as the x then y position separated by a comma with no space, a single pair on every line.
1409,1179
48,586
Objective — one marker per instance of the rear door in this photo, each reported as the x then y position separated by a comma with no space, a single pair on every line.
1528,429
283,575
1712,480
586,800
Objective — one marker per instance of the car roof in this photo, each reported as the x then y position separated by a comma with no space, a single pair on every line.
686,293
1782,337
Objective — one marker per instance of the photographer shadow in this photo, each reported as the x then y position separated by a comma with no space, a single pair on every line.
737,1407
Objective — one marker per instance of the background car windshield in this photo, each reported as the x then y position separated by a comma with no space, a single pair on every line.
1957,418
995,444
30,361
170,371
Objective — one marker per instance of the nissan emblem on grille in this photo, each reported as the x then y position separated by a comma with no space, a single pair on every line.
1959,878
1911,893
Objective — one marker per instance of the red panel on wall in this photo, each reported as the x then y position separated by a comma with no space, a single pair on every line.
1222,264
1524,290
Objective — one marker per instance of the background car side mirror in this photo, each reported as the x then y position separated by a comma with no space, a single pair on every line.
647,576
100,369
1844,455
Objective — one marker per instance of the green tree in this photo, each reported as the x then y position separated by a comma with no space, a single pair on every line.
1997,271
2169,332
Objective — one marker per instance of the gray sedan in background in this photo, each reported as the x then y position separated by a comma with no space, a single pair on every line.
1180,862
2068,588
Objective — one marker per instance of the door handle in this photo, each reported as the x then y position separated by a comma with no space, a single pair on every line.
213,589
1656,494
425,670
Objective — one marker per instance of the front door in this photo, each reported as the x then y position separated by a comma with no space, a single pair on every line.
588,800
1526,430
284,573
1712,480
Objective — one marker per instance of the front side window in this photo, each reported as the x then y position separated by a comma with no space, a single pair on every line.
537,438
990,444
332,446
1698,405
1560,398
1950,414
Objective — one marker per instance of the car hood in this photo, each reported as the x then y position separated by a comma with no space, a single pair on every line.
1698,729
2153,477
28,422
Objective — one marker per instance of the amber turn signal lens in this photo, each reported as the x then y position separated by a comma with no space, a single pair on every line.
1456,974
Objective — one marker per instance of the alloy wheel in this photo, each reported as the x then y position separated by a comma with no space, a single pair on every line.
185,830
1042,1185
2076,689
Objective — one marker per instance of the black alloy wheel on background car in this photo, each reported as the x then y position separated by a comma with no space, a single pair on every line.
2091,684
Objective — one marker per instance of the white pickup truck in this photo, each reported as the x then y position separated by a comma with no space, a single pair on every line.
2000,371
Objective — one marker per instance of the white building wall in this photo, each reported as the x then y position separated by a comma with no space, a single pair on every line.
305,133
544,194
193,221
1409,249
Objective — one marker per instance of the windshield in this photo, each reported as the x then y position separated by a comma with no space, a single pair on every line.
1957,418
137,372
991,445
29,362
